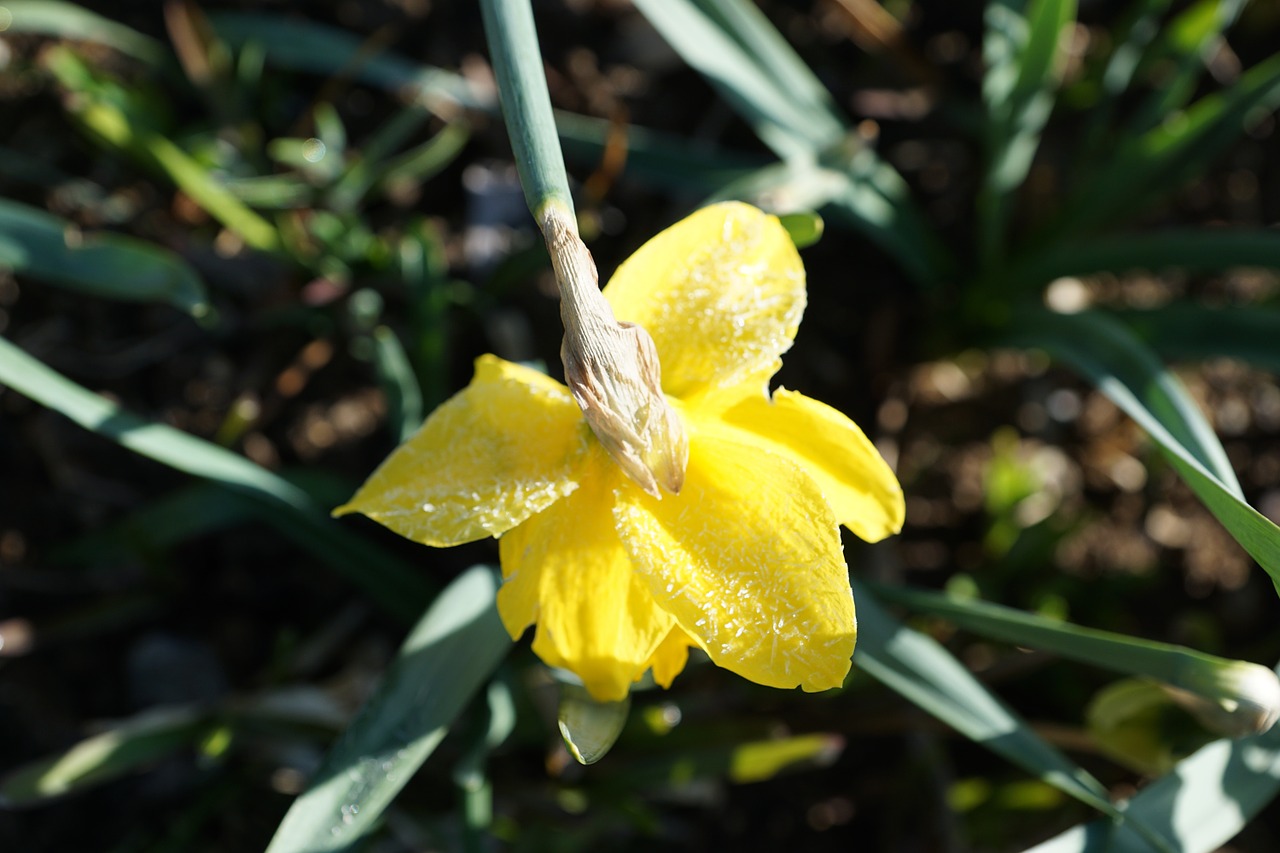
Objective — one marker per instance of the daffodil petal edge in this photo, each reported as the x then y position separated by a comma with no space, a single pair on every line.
857,482
721,292
501,450
567,570
747,558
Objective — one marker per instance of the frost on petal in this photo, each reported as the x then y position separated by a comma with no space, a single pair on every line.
567,571
502,449
747,558
852,474
721,292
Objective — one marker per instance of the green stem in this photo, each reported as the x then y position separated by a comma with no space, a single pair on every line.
526,105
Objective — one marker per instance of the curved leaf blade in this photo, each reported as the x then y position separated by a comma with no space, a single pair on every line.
922,671
1107,353
393,584
1203,803
113,266
450,653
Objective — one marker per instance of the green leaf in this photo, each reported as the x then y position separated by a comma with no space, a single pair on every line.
1140,169
115,122
1201,805
1107,353
699,34
1022,52
69,21
804,228
448,656
1245,697
1192,249
1184,332
404,397
396,586
301,45
114,266
120,750
914,665
1186,44
589,727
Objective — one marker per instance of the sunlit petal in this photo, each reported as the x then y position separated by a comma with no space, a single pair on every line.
669,658
852,474
721,292
502,449
567,570
747,558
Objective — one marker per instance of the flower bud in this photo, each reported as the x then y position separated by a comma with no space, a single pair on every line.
1233,698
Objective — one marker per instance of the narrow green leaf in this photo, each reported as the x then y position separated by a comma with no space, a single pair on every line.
36,243
747,25
120,750
1193,249
1201,805
1246,696
450,653
660,159
1185,332
1140,169
69,21
112,121
404,397
1107,353
915,666
301,45
1023,56
864,193
393,584
783,123
1185,46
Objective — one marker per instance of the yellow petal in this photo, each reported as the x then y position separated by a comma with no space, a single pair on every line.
567,569
852,474
721,292
669,658
747,558
500,450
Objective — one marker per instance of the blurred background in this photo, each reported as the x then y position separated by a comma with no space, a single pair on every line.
301,225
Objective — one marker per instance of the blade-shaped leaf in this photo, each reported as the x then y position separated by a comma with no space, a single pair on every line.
69,21
450,653
1107,353
393,584
109,265
1193,332
1194,249
1023,56
750,88
1140,169
1244,694
915,666
1202,804
307,46
119,750
1183,49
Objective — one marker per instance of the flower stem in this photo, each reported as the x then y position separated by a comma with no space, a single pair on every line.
610,367
526,104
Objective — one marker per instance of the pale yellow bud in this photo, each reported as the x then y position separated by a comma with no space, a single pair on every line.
612,368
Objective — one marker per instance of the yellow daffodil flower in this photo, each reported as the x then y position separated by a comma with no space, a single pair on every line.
745,562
